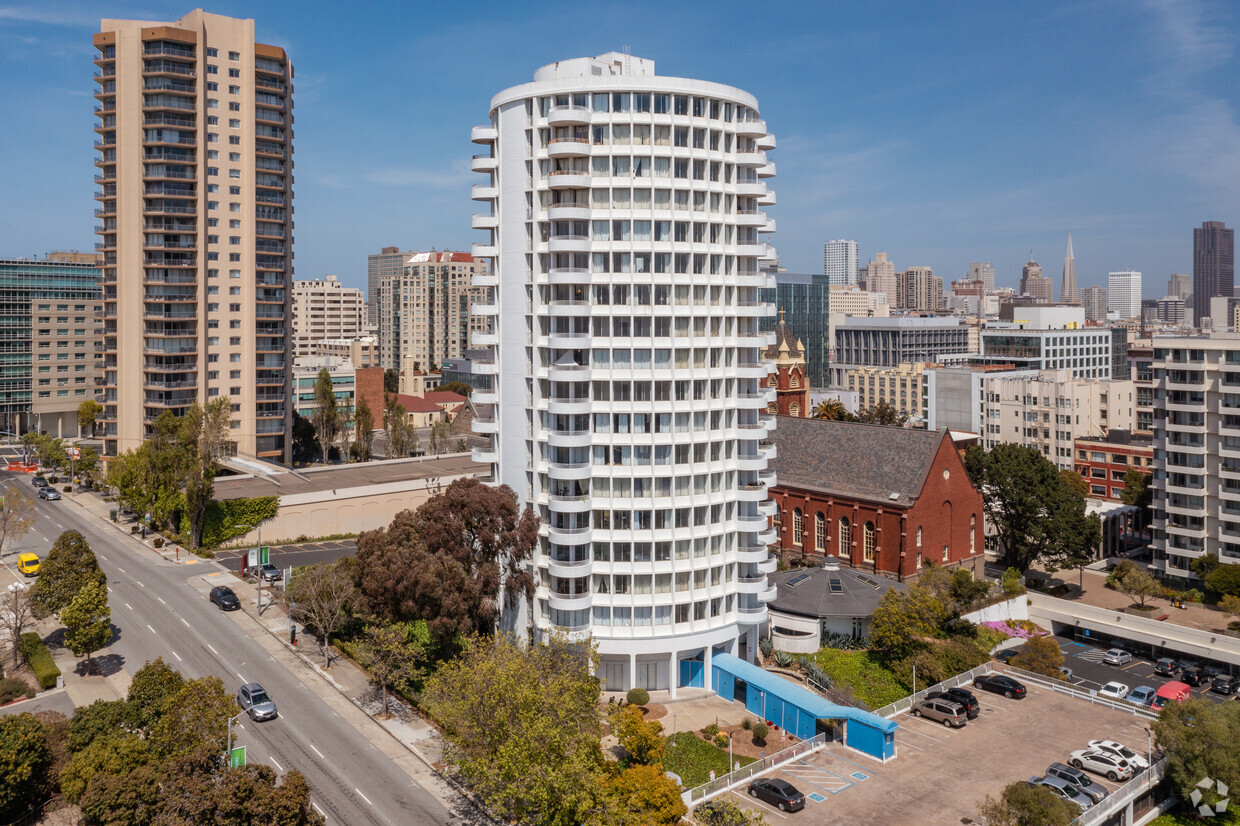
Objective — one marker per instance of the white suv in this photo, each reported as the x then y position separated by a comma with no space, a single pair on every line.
1111,766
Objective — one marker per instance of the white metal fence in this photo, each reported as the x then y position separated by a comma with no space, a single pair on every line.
1124,795
965,679
719,785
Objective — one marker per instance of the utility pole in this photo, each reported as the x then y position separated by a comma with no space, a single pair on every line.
260,563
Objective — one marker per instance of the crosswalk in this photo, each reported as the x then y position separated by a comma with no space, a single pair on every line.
1094,655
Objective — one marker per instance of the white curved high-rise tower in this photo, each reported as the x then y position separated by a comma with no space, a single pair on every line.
629,389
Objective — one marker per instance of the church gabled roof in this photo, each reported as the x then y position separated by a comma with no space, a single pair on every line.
787,345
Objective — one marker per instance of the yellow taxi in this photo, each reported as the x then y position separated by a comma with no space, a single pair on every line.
28,564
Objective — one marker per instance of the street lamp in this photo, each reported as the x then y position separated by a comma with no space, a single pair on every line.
260,570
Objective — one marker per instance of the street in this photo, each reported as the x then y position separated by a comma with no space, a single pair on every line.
159,608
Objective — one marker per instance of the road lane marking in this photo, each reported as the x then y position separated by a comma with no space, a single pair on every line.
186,623
109,589
119,568
359,791
317,809
178,656
127,605
152,629
62,527
277,765
101,556
209,645
316,751
139,583
243,681
161,599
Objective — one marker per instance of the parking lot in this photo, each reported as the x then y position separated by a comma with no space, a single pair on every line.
1088,670
941,775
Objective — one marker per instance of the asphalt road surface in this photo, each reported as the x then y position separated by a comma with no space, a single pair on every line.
294,556
159,609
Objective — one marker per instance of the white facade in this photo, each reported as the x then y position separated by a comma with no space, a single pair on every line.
1124,294
324,309
983,271
628,408
839,262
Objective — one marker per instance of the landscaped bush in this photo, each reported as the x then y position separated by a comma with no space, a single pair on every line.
766,646
32,649
158,542
845,642
637,696
722,740
691,759
760,731
12,689
988,638
784,659
746,724
871,683
710,731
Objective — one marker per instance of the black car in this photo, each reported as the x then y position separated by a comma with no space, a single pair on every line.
1007,654
1001,684
1167,667
224,597
959,695
1225,684
38,481
1194,676
778,793
1213,669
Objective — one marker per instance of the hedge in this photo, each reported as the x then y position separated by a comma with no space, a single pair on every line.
691,758
870,681
39,659
221,520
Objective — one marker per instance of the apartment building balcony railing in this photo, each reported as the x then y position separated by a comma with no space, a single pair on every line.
269,83
169,67
165,119
168,49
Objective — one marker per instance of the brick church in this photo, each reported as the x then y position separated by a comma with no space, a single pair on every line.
791,387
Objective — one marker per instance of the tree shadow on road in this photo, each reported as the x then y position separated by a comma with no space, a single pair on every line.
104,665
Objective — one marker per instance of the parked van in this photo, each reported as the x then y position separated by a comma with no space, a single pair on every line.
28,564
1179,692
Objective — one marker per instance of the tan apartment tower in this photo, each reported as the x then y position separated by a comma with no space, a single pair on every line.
424,311
323,309
195,206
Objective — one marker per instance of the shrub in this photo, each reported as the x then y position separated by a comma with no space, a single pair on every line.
746,724
158,542
12,688
220,522
862,674
722,741
112,514
38,658
68,488
1192,595
692,759
1011,582
638,696
760,730
710,731
783,659
766,646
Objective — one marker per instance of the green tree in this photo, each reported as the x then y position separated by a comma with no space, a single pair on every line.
203,441
458,387
883,414
303,438
1076,482
344,428
323,595
1041,655
87,620
363,428
391,658
66,569
1037,517
391,381
1201,566
149,691
148,478
452,562
833,410
1201,740
965,592
88,412
17,512
1137,492
115,752
439,438
1021,804
401,437
521,725
903,620
194,718
1224,579
87,466
25,756
641,740
639,796
1230,606
99,719
1139,584
326,414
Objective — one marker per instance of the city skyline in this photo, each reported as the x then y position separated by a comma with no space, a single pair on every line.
373,174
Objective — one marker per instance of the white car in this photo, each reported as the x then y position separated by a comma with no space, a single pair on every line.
1135,760
1113,691
1101,762
1117,656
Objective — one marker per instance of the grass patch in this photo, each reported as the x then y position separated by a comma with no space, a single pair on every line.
691,759
870,682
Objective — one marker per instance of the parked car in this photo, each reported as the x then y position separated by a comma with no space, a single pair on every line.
947,712
1113,691
38,481
1167,667
1006,655
270,573
1088,786
1171,692
28,564
1117,656
779,793
1225,684
1142,695
1213,669
1194,676
1101,762
253,700
1001,684
1186,662
49,493
1066,790
1120,750
224,597
960,695
1066,673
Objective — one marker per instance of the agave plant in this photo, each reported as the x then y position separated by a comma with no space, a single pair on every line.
765,646
783,659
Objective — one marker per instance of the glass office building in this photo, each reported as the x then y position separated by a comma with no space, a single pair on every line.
803,299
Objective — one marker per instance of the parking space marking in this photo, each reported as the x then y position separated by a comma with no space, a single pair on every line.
859,776
816,797
760,804
1134,665
1093,655
817,776
919,733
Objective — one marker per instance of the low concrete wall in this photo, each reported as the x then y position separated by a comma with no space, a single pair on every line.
806,643
1016,608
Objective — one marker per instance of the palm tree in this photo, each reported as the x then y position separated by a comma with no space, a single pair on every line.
832,409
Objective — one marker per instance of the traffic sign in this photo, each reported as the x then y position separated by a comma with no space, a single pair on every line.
236,759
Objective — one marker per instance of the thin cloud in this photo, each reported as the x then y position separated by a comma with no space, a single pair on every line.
48,16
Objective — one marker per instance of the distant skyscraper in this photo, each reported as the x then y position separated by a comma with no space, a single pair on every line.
1094,299
1067,289
880,277
919,289
1033,284
1214,265
1180,285
984,272
839,262
389,262
1124,293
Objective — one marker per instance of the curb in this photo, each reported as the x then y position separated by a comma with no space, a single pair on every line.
41,695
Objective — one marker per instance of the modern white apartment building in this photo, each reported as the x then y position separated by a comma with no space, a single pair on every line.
1124,293
1050,338
839,262
195,208
1196,506
323,308
1051,410
626,225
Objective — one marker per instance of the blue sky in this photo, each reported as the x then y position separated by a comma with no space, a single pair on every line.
941,133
